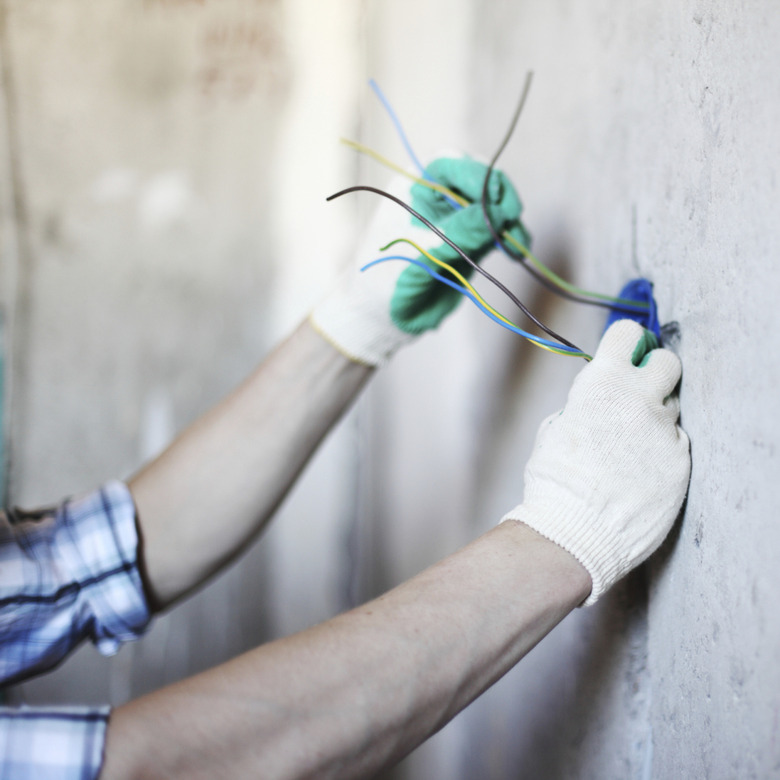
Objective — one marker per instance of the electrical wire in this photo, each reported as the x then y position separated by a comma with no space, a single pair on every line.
405,141
476,266
543,274
549,346
483,199
483,304
450,269
537,269
440,188
525,253
565,289
398,126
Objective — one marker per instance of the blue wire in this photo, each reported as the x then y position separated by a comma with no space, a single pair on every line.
455,205
405,141
398,126
466,293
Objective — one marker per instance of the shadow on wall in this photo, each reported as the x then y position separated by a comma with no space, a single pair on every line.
517,368
609,666
593,715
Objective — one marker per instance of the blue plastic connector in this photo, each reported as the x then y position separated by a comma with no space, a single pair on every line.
641,291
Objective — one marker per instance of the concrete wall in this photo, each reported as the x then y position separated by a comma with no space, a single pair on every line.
158,158
650,146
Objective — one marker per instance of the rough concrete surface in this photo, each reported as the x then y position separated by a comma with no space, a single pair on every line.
158,160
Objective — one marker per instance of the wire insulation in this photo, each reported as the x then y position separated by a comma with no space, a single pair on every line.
474,265
505,323
398,126
440,188
607,301
537,269
454,271
525,253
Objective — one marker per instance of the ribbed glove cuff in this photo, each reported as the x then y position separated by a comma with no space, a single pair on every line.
575,528
358,327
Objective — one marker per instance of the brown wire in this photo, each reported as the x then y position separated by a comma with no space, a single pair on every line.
472,263
500,241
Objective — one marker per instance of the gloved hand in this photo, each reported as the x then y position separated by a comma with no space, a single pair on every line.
372,313
609,473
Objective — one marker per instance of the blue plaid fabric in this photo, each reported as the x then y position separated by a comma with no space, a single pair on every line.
52,743
66,574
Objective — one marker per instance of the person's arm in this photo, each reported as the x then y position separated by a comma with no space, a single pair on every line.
606,479
217,485
359,692
214,489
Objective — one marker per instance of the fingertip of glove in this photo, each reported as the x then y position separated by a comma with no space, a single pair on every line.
626,341
672,406
620,340
664,368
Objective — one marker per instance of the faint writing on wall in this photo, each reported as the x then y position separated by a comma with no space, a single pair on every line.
184,3
241,58
239,47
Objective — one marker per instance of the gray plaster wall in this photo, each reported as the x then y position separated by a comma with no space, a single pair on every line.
650,147
158,160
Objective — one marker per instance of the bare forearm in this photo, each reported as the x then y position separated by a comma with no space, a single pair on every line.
357,693
220,481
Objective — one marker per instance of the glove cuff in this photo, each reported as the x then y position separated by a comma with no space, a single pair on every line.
576,529
359,327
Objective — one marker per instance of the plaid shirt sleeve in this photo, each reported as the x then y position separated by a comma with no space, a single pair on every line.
62,743
66,574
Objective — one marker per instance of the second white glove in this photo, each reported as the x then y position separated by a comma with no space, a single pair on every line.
609,473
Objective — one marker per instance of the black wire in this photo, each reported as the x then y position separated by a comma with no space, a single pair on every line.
489,223
512,125
476,266
494,160
543,280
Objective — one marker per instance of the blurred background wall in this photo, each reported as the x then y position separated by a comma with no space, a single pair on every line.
163,170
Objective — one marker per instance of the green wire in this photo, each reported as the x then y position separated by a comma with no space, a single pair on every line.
562,283
543,269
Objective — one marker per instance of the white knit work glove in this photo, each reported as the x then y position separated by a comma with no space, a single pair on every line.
609,473
355,317
372,313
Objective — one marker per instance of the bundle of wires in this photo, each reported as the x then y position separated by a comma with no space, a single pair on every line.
518,251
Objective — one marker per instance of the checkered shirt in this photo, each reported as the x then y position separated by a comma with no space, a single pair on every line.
66,574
